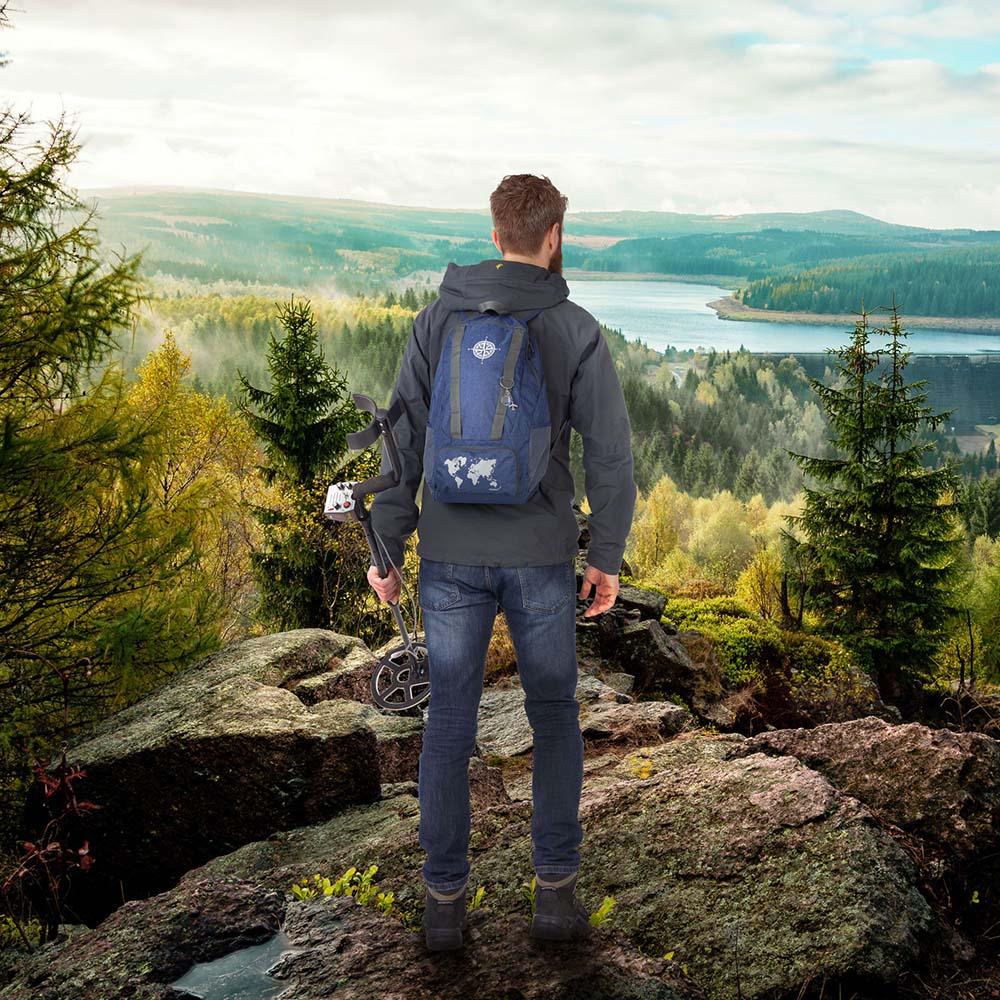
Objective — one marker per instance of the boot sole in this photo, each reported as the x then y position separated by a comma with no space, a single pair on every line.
549,929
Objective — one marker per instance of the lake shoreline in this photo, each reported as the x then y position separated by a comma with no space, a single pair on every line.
719,281
729,308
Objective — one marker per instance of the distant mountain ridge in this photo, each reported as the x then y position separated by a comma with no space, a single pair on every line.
625,222
212,236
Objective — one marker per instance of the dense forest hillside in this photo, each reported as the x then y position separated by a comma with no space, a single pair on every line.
711,421
956,282
726,424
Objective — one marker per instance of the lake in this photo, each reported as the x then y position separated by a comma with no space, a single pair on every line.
675,313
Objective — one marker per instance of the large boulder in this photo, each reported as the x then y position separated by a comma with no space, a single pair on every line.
942,786
605,715
222,754
664,662
730,861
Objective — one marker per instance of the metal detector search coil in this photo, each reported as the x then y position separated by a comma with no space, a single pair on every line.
401,679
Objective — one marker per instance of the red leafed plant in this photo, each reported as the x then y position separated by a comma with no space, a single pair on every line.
42,872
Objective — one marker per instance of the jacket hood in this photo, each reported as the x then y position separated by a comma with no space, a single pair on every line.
509,282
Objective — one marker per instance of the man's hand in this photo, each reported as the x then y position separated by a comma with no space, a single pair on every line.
607,590
387,587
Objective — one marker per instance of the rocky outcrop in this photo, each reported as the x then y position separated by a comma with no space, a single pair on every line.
222,754
723,859
334,947
368,955
762,867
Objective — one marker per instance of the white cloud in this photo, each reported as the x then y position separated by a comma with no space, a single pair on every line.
763,105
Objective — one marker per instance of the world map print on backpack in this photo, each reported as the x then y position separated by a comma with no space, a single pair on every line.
488,427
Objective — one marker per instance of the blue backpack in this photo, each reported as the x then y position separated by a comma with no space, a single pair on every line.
488,427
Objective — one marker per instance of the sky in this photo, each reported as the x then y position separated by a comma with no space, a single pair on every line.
886,107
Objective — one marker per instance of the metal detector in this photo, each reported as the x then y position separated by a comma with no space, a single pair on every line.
401,679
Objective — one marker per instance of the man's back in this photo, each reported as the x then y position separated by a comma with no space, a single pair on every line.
478,558
583,392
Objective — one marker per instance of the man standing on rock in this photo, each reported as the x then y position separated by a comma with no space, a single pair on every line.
478,557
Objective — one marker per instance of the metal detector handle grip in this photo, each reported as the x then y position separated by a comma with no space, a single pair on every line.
376,551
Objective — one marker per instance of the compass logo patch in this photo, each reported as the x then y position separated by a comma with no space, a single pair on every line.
483,349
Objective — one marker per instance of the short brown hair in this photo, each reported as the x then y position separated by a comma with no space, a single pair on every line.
524,207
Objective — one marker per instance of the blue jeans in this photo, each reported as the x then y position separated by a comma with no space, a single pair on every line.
459,605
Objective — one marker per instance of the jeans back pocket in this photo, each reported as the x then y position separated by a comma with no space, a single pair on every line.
547,589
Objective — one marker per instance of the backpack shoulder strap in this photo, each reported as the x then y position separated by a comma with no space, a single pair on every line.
456,371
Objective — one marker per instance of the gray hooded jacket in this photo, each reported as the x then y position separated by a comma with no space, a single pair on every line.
583,393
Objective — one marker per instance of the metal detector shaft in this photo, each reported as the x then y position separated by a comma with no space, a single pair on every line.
400,680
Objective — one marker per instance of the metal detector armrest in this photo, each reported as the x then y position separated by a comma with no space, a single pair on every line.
380,427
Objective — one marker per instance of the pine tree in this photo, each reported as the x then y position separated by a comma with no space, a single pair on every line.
87,564
310,573
881,533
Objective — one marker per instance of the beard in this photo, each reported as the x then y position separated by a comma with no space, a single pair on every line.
555,264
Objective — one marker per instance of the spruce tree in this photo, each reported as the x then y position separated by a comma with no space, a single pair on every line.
881,532
310,572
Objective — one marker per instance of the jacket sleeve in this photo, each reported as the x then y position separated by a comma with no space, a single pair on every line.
597,410
394,512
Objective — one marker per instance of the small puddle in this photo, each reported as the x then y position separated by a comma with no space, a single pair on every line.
240,975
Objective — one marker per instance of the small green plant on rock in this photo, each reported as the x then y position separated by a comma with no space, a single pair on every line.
528,892
603,913
361,887
668,956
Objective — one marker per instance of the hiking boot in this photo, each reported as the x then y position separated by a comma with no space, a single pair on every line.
558,915
445,918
